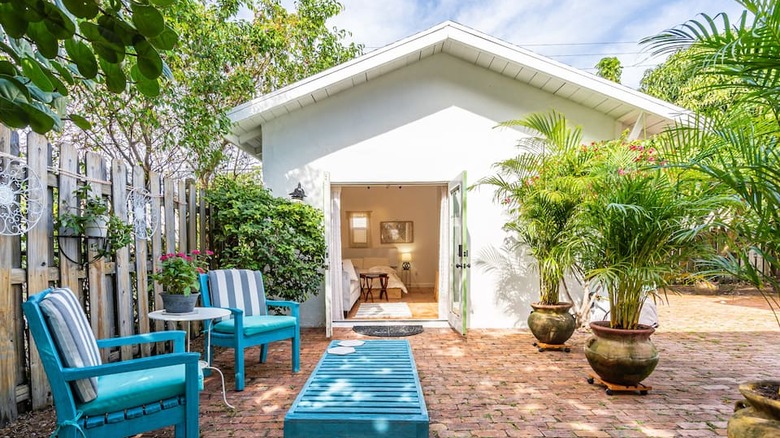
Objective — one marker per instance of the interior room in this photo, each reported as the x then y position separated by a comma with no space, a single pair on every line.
391,229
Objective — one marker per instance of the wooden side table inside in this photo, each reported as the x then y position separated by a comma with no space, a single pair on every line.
367,284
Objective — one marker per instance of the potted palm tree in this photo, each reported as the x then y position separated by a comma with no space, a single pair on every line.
738,150
638,227
541,190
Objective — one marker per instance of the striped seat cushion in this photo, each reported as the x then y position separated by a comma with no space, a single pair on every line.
74,338
238,288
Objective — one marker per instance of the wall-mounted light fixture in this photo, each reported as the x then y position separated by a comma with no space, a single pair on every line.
298,194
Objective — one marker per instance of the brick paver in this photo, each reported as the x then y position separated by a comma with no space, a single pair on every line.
494,383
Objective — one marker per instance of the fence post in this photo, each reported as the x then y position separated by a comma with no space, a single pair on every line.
99,304
37,265
69,247
124,296
8,315
141,275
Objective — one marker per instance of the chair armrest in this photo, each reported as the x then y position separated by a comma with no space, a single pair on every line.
143,363
178,337
294,307
291,304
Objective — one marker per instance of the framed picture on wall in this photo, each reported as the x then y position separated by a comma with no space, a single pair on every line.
396,232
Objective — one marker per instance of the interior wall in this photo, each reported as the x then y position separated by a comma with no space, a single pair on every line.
398,202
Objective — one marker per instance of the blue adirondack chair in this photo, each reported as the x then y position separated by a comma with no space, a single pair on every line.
114,399
242,292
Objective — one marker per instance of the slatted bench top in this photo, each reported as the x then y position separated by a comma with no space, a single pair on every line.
373,392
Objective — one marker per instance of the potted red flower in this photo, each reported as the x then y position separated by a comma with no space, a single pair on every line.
178,275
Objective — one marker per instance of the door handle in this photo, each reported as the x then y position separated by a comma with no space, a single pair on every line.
463,266
458,265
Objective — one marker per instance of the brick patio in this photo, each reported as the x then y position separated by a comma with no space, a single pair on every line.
495,384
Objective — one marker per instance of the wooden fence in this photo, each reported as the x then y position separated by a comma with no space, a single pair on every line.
116,292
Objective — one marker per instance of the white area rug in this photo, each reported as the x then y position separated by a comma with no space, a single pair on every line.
383,310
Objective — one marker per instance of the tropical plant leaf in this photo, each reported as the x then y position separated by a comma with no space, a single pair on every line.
13,90
166,40
64,72
33,70
149,62
83,57
147,19
46,42
82,8
13,23
149,87
6,68
115,78
59,24
79,121
11,114
41,119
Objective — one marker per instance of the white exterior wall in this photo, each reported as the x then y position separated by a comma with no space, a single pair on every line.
423,123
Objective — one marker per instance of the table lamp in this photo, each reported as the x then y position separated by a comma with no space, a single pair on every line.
406,258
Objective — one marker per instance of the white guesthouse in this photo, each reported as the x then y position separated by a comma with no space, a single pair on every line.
400,133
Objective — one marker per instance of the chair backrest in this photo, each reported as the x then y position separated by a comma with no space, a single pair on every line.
64,339
238,288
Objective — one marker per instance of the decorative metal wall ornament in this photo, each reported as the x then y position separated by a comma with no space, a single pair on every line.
139,210
21,197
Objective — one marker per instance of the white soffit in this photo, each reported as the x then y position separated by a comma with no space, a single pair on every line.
620,102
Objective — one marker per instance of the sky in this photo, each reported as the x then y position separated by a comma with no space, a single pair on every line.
575,32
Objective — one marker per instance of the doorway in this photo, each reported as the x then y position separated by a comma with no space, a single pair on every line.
392,229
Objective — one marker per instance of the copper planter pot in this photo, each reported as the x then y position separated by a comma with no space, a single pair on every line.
551,323
623,357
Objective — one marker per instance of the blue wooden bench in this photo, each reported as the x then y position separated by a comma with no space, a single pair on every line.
374,392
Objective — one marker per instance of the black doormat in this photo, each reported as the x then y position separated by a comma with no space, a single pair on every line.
391,331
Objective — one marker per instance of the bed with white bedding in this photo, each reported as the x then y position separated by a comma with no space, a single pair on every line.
351,279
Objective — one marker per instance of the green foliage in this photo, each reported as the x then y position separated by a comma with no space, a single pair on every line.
220,62
680,80
610,68
47,47
541,190
94,211
640,224
254,230
737,149
745,52
180,273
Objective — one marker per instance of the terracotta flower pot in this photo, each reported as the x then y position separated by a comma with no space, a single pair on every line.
623,357
178,303
551,323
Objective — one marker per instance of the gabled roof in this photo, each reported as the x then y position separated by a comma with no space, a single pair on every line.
623,103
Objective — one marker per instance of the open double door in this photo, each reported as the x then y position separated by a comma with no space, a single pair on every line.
455,249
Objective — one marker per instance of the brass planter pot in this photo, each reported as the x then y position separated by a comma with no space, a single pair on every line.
623,357
551,323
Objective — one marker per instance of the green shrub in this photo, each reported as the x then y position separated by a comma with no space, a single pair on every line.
284,240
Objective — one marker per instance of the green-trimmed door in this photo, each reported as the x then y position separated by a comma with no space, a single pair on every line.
459,262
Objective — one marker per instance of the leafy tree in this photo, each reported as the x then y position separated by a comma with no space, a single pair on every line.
610,68
738,149
221,62
679,80
284,240
48,47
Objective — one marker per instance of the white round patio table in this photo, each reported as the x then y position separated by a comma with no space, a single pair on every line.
198,314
